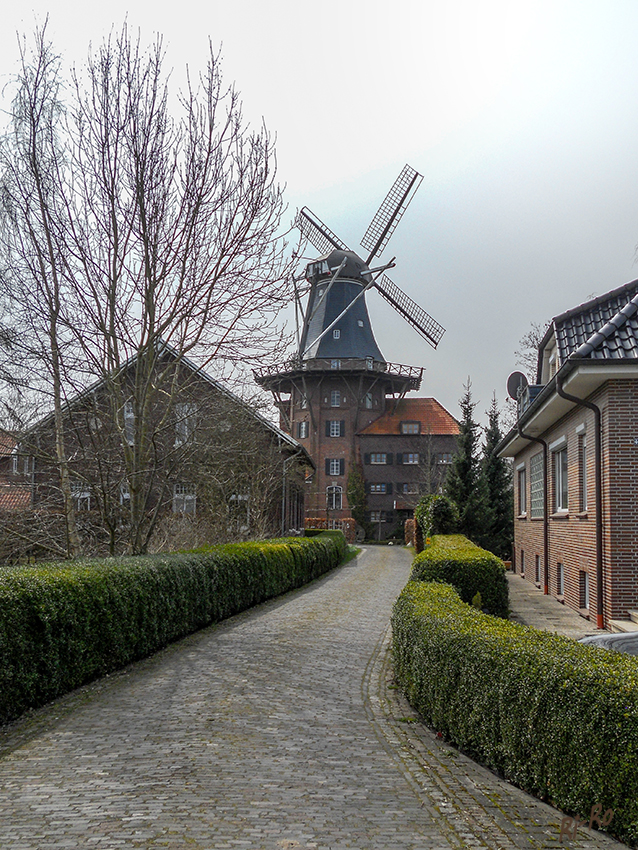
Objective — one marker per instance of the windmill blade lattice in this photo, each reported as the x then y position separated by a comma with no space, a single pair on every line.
416,316
318,233
391,211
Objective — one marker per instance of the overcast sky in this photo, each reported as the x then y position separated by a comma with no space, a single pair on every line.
522,117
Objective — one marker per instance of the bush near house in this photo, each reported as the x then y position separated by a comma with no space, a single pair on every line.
436,514
556,718
457,561
65,624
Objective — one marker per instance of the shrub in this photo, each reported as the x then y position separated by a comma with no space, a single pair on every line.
63,625
557,718
471,570
437,515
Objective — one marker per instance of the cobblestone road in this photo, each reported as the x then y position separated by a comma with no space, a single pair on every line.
276,729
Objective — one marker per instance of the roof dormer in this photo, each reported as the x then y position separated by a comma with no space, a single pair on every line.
548,361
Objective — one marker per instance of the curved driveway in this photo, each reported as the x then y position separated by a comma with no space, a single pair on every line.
276,729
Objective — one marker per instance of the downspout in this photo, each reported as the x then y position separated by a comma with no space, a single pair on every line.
545,506
600,601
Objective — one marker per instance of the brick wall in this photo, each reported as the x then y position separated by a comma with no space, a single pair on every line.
572,533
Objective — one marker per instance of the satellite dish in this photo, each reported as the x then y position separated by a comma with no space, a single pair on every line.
516,383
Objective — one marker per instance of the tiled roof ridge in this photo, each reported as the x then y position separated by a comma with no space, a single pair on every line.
614,324
587,306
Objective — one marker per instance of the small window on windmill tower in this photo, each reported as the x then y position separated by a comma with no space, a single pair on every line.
369,362
336,334
360,322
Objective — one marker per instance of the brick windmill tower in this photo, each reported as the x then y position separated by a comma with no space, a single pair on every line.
339,382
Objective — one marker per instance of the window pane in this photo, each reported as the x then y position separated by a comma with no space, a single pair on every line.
560,480
537,490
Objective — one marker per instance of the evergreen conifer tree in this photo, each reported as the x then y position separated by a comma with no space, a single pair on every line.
464,484
497,482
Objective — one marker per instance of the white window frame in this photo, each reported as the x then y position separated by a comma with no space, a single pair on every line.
81,493
410,488
561,480
377,516
378,489
336,334
378,458
334,497
368,401
537,486
185,498
582,462
410,427
560,579
125,494
522,489
303,429
585,598
410,458
334,466
335,398
335,364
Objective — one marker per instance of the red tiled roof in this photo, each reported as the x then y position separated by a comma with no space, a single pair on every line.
7,442
15,497
433,417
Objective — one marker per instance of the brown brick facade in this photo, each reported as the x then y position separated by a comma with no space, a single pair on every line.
572,532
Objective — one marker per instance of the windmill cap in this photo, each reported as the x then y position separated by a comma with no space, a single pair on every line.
354,267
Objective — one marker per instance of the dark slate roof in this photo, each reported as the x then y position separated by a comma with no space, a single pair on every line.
604,328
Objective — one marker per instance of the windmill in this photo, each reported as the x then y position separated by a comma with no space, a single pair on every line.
339,382
339,279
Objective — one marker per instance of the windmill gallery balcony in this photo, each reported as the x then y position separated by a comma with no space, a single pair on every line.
281,377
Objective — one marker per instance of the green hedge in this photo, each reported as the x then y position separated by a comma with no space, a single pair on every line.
437,514
62,625
557,718
455,560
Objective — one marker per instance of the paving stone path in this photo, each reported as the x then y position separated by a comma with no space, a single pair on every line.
279,728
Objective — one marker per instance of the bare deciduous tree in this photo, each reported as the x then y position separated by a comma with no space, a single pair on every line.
136,230
31,162
527,354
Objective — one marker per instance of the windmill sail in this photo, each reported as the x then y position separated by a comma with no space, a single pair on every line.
416,316
391,211
318,233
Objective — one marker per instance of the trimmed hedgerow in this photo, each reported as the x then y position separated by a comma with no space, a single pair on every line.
62,625
455,560
555,717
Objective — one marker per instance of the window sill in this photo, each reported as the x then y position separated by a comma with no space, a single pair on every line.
584,613
582,515
537,518
522,516
560,599
559,515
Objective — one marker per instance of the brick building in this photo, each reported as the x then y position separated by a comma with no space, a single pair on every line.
406,452
201,455
575,456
